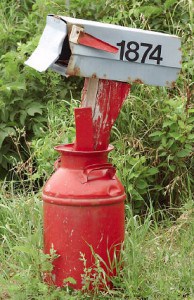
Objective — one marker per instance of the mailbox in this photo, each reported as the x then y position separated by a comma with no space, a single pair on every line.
83,199
91,49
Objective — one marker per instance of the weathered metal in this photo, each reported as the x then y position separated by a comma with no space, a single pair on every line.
83,215
112,52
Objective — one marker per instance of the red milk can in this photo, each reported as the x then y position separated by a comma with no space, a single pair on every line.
83,212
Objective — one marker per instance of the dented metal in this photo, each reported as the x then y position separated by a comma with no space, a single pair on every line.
107,51
50,45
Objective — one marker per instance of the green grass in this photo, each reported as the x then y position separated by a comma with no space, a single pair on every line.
157,257
153,140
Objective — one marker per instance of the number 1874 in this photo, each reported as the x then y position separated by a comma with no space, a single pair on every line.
132,51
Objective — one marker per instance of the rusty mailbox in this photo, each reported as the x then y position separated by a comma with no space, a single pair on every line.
90,49
84,199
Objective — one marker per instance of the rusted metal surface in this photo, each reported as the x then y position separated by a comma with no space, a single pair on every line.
105,69
137,80
144,56
105,97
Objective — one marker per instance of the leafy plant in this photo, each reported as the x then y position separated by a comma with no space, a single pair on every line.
155,151
24,92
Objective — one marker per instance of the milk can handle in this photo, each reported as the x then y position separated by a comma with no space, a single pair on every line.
57,163
91,168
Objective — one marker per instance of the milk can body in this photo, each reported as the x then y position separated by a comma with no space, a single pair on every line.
83,214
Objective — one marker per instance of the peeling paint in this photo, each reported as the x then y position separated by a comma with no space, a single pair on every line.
73,70
105,97
102,235
94,75
90,93
53,276
75,34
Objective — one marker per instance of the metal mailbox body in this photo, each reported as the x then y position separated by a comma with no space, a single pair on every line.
107,51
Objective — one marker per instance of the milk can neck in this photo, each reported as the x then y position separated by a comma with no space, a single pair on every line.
73,159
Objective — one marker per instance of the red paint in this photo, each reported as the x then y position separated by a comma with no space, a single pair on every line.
84,129
109,100
93,42
83,207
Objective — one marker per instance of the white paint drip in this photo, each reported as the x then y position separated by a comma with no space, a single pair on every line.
90,95
102,235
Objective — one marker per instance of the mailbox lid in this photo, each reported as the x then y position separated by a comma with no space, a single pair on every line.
50,45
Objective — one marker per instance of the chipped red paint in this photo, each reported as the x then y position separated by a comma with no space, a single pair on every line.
109,98
83,211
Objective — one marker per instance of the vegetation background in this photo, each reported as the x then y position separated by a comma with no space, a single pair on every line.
153,139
